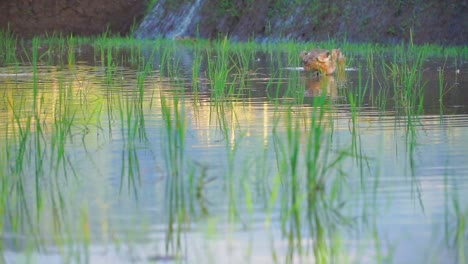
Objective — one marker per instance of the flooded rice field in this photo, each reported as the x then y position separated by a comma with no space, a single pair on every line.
181,152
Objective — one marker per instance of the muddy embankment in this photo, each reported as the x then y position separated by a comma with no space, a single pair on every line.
28,18
393,21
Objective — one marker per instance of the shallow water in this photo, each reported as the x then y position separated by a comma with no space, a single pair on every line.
104,163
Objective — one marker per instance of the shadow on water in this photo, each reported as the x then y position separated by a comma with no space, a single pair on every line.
190,151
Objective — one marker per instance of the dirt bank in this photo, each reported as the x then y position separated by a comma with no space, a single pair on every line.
28,18
392,21
358,21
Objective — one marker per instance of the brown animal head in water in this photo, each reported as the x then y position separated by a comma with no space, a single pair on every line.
322,60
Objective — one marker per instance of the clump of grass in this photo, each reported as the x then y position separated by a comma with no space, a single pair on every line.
8,46
219,70
312,182
406,73
130,118
440,73
196,71
175,163
404,78
71,50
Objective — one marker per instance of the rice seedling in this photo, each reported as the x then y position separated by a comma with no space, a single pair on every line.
196,70
8,46
15,157
130,167
197,188
406,74
292,159
356,102
36,108
441,90
175,164
219,70
61,165
170,63
110,65
231,186
311,183
71,50
455,216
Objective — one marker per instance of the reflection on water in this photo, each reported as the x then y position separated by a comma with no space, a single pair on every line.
324,84
116,165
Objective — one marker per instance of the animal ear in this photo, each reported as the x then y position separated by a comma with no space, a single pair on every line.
336,52
324,57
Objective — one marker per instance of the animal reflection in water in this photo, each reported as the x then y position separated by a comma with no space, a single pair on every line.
326,63
317,86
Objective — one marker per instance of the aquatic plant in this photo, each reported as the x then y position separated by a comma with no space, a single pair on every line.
71,50
8,47
311,182
219,70
175,164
